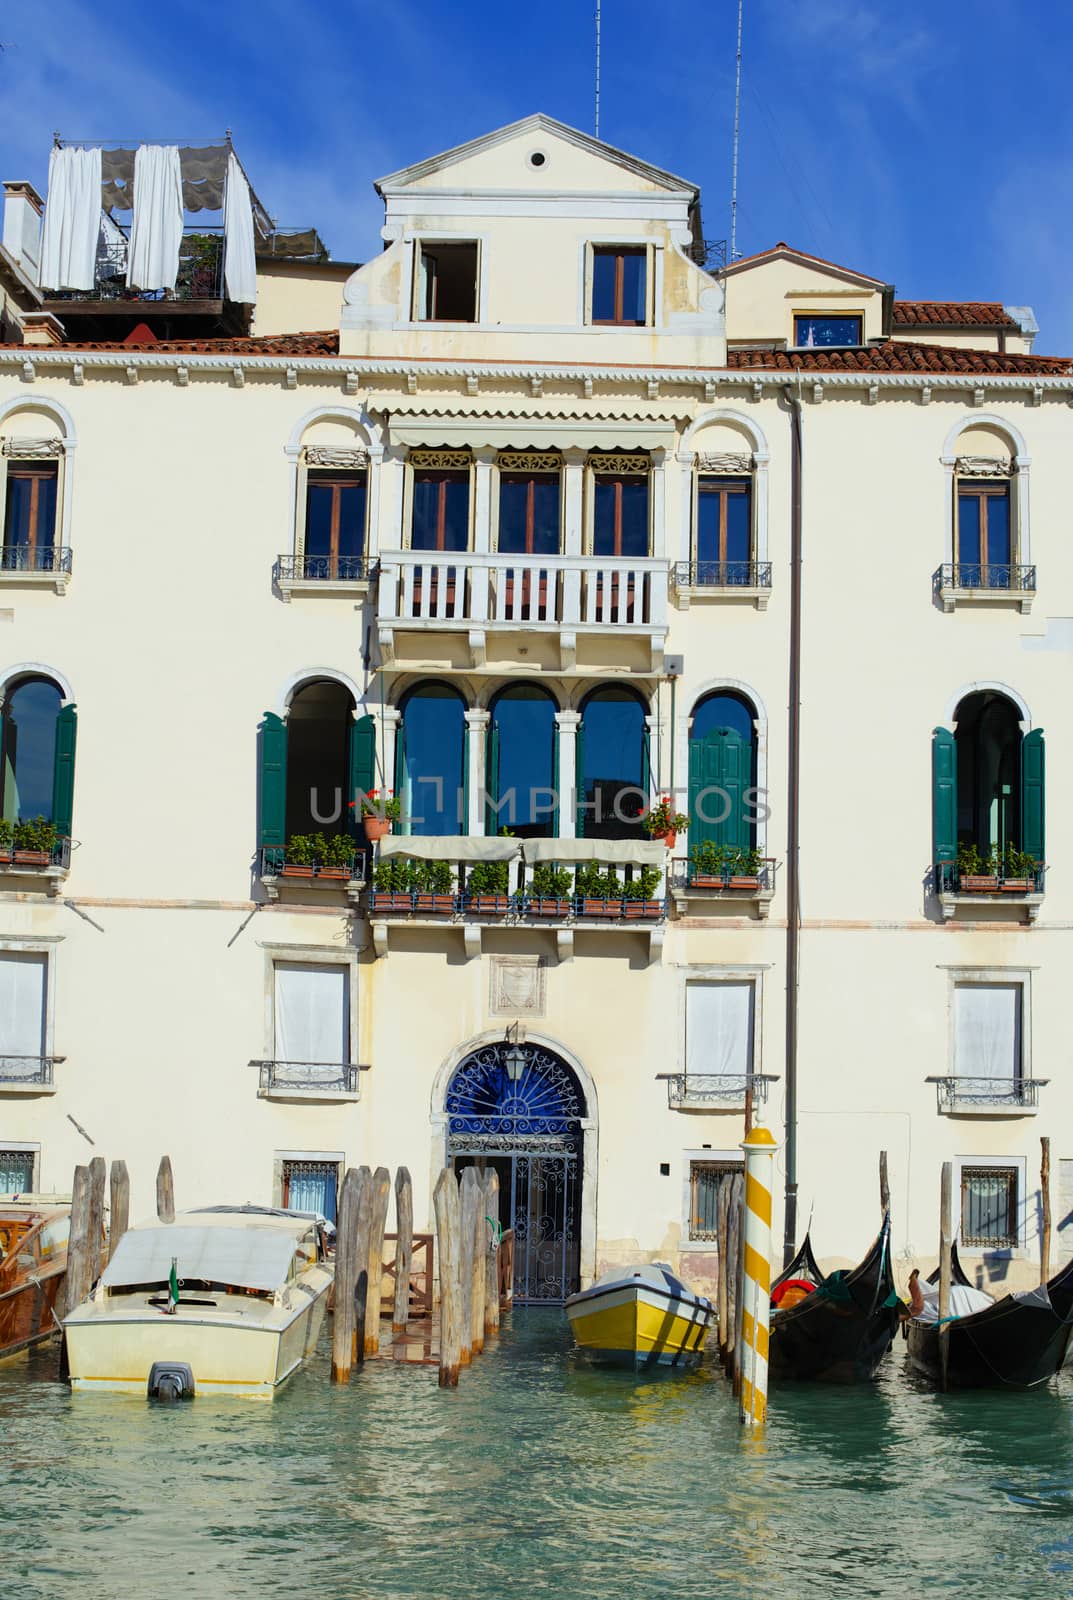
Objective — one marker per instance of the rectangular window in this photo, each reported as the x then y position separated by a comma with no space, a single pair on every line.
813,331
529,513
719,1029
620,286
22,1014
988,1033
311,1186
312,1013
441,509
30,516
335,524
447,282
984,545
16,1172
620,513
989,1208
724,531
706,1178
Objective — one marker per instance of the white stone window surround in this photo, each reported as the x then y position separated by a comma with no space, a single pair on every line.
414,241
949,718
369,439
760,726
17,421
25,1147
960,977
316,955
336,1158
34,669
39,945
1021,461
654,273
480,473
686,457
494,496
704,1156
1022,1249
722,972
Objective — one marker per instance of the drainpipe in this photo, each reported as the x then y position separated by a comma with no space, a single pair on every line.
793,825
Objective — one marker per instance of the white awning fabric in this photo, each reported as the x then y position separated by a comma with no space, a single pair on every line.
240,265
157,228
72,219
616,852
449,847
249,1258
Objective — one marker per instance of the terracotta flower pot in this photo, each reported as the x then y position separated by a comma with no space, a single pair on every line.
376,828
669,838
1016,886
5,853
706,880
393,900
744,880
32,858
978,882
438,904
642,910
334,874
490,904
295,869
601,908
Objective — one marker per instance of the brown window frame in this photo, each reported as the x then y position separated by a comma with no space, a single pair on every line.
37,471
336,484
442,476
620,252
712,484
517,475
620,479
990,489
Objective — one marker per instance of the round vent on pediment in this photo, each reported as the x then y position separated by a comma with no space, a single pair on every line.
537,158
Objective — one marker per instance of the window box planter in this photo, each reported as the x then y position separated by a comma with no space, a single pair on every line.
1016,885
32,858
335,874
978,883
294,869
435,904
392,900
743,880
545,906
642,910
490,905
601,908
5,854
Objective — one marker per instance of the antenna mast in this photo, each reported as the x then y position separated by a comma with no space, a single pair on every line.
737,130
596,115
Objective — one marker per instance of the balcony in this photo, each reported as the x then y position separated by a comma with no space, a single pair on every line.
197,305
722,580
331,575
999,893
28,1075
47,565
574,605
728,1091
704,894
974,583
988,1097
39,868
305,880
297,1081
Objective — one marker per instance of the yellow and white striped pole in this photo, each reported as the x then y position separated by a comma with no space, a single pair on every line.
759,1148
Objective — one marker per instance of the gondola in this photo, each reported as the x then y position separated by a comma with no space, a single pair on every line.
1017,1342
840,1324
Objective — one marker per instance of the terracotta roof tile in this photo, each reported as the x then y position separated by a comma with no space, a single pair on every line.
952,314
898,356
281,344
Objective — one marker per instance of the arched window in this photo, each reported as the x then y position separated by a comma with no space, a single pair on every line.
318,733
34,467
988,543
37,744
612,765
988,786
722,770
522,766
430,760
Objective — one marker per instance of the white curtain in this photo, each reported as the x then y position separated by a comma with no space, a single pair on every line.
719,1028
240,265
72,219
312,1021
157,229
22,1007
987,1030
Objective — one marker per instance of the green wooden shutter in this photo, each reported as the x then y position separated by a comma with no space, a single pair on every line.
1032,765
63,771
273,791
492,823
581,816
361,768
721,761
944,796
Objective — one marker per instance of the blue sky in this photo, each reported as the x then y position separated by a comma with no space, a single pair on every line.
927,143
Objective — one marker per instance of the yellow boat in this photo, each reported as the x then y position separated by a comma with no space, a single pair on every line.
641,1318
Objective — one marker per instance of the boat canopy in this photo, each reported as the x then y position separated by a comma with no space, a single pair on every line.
249,1258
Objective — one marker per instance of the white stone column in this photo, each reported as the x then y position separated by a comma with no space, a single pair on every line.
483,462
574,501
388,532
687,460
476,778
376,461
566,725
655,756
387,723
660,546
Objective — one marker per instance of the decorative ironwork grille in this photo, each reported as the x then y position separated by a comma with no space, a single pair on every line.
1015,576
706,1178
989,1207
723,574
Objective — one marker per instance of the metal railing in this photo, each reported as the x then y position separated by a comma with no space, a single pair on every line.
29,1070
722,574
984,1092
274,864
200,275
519,901
687,875
949,879
19,859
323,569
1013,576
325,1077
689,1089
569,591
41,558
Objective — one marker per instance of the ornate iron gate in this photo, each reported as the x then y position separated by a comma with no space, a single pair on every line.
525,1120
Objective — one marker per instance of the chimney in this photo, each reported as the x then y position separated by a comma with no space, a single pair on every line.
41,327
23,207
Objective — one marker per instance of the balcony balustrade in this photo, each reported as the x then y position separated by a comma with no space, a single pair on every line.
36,564
972,581
278,874
717,1091
306,574
49,867
734,580
699,893
959,890
988,1097
200,275
28,1074
308,1080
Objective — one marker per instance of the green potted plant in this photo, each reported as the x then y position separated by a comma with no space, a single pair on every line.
6,831
977,874
336,859
599,891
380,809
548,894
34,841
662,821
707,863
1018,869
638,893
488,886
435,887
394,881
301,856
743,866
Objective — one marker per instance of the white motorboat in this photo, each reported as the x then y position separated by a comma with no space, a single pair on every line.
225,1301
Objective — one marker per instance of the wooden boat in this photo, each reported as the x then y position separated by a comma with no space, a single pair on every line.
645,1317
33,1264
224,1301
833,1327
1018,1342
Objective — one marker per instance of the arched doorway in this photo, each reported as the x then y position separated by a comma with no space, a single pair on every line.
525,1119
722,770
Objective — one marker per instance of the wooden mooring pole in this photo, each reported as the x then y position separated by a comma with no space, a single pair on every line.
346,1272
472,1205
946,1251
739,1277
722,1224
118,1205
165,1191
1045,1194
78,1277
884,1184
404,1248
491,1263
381,1193
480,1268
98,1174
448,1249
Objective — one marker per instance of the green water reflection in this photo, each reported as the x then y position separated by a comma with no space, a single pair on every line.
541,1477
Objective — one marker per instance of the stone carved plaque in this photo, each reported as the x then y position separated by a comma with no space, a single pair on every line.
517,986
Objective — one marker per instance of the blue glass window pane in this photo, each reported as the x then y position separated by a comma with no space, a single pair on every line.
441,511
605,510
810,331
722,711
620,516
633,288
998,530
604,267
431,754
529,514
739,527
719,499
46,511
318,540
524,724
613,761
17,515
635,517
29,734
969,551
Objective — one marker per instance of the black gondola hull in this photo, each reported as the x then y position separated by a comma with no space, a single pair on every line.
1010,1345
838,1339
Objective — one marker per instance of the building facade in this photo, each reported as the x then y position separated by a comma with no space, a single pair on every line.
551,523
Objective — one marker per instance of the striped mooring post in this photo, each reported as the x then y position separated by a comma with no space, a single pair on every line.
759,1148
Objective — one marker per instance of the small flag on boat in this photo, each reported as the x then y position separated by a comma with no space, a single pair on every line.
173,1290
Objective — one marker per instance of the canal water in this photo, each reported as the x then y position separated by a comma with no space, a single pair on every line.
538,1477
